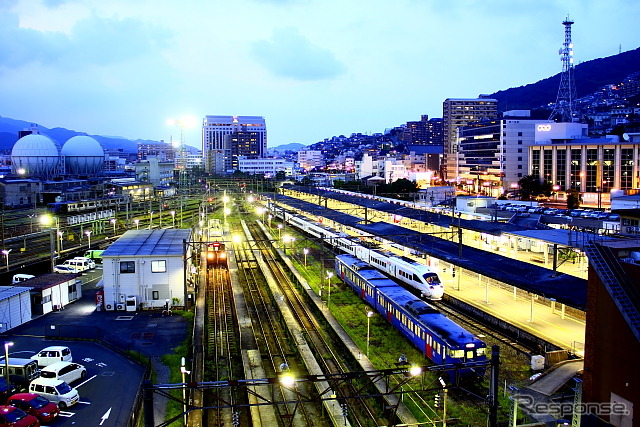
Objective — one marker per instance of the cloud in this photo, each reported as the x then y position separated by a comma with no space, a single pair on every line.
289,54
92,41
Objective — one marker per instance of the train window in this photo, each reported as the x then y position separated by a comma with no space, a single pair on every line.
159,266
458,354
431,278
480,351
470,354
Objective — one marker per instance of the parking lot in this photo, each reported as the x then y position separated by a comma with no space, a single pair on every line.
109,390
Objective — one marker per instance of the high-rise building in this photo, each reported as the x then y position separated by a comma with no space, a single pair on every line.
457,113
424,132
224,138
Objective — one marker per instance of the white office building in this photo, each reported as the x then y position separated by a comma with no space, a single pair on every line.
309,159
266,167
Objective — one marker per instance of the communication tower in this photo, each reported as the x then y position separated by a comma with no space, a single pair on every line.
564,110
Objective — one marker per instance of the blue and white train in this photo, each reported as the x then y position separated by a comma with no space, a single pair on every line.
436,336
421,279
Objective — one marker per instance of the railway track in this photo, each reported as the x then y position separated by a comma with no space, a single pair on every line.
270,336
360,413
221,344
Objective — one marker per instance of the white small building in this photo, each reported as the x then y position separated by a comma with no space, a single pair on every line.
145,269
52,292
15,307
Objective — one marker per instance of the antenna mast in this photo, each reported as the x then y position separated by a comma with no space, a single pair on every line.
564,110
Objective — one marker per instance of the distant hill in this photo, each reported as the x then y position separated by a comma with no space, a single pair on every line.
294,146
9,129
589,76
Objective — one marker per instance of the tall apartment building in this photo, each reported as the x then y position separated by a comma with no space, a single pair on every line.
424,132
224,138
457,113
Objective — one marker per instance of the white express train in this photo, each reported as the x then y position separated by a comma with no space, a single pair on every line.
419,278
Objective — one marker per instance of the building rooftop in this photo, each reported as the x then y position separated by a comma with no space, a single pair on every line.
148,243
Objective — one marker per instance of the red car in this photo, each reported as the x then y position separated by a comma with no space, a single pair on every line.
16,417
36,405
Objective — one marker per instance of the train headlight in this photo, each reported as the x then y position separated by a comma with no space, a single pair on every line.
470,345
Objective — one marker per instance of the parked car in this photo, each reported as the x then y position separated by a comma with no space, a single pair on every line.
11,416
65,371
64,269
57,391
5,391
53,354
33,404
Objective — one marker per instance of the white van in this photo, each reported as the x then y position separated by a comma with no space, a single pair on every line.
56,391
53,354
65,371
17,278
79,265
91,264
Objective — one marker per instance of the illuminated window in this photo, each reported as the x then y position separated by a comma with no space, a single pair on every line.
159,266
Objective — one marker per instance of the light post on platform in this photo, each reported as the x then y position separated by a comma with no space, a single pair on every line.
137,223
88,233
369,314
305,251
113,221
173,219
329,276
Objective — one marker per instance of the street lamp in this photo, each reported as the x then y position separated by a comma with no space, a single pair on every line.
173,218
113,221
137,223
329,276
555,192
279,231
369,314
305,251
7,344
183,371
88,233
5,252
48,220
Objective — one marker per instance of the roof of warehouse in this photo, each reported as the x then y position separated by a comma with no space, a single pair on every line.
7,292
168,242
564,288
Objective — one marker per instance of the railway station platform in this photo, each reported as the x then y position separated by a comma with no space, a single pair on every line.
550,323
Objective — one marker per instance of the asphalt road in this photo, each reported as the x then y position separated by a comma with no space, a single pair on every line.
108,392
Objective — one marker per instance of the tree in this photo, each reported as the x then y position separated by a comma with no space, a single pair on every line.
281,175
574,199
530,185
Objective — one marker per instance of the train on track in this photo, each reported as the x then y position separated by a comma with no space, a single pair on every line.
83,206
436,336
216,253
420,278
